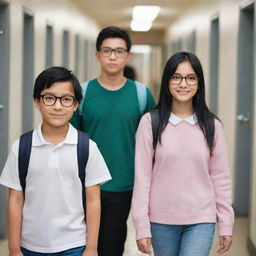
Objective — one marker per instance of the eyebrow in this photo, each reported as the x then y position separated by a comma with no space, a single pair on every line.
186,74
67,94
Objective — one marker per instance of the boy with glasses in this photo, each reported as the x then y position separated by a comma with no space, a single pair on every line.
46,217
110,114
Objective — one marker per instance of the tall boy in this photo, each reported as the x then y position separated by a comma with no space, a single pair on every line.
50,220
110,114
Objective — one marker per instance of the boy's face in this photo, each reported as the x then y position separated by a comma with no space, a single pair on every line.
116,61
59,113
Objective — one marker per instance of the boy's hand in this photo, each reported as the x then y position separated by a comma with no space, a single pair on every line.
90,252
144,245
225,243
16,253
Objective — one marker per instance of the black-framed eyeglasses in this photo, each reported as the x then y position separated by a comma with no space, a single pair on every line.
65,101
119,52
190,79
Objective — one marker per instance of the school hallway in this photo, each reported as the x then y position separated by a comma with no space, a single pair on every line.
35,35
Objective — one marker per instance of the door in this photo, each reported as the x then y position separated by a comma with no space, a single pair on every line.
65,49
244,111
191,42
28,73
49,47
214,65
4,99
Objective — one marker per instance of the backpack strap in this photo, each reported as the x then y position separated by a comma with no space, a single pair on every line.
142,96
23,158
84,86
154,124
82,158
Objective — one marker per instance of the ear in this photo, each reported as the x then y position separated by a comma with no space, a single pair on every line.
37,103
75,106
97,55
129,56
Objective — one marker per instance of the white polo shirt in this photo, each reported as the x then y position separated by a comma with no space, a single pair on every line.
53,214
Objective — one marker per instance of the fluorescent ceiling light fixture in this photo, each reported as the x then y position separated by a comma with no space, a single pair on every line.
141,49
141,25
145,12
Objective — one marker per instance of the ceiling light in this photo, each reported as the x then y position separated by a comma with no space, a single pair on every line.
141,25
141,49
145,12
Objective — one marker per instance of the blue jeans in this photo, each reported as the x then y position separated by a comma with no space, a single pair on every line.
182,240
78,251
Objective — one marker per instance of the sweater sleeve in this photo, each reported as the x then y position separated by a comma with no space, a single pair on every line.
143,170
221,182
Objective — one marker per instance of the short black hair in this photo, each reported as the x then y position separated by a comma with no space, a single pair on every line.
53,75
129,72
113,32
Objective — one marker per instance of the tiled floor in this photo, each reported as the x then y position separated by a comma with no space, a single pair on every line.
238,246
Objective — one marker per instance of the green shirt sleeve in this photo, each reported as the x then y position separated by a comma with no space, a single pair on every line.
150,101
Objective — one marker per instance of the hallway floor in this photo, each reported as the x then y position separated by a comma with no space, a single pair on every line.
238,248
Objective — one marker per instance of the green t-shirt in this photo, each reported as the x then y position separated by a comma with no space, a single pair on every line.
111,119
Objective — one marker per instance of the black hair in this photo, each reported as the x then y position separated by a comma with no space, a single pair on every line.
129,72
113,32
53,75
204,116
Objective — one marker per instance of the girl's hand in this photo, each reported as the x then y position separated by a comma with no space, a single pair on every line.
90,252
225,243
144,245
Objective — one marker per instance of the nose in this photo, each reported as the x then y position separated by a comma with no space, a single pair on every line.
57,104
183,82
112,55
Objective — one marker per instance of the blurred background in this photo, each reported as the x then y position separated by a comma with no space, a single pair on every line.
35,34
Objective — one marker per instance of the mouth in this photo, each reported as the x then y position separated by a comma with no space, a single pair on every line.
57,115
183,92
112,65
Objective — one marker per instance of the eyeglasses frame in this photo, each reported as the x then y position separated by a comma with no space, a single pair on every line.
56,98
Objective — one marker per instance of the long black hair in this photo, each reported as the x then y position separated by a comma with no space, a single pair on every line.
204,116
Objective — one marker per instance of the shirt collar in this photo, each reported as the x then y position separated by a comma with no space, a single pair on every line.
176,120
38,139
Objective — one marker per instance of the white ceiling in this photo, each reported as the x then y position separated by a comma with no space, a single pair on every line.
118,12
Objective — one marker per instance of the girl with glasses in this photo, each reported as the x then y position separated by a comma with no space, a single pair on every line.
182,187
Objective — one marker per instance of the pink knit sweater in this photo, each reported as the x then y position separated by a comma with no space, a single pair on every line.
186,184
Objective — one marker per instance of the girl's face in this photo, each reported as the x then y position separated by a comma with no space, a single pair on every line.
183,84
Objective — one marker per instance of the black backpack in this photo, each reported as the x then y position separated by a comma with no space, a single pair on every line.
24,157
154,124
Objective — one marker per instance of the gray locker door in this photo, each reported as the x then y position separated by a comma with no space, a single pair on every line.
65,49
214,65
191,42
4,98
244,111
85,62
28,73
49,47
77,55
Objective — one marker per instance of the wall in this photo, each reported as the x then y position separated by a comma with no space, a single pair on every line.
199,20
61,15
